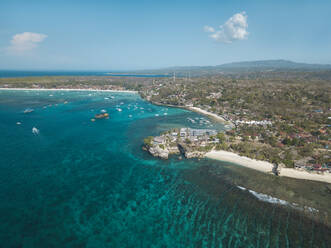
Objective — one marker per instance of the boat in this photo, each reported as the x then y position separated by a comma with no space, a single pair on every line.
101,116
35,131
28,110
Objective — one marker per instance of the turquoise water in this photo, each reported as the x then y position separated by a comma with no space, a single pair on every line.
88,184
15,73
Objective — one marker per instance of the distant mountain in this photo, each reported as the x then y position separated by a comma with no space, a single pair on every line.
274,64
243,67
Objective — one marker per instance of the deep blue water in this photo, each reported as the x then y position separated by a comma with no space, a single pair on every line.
88,184
14,73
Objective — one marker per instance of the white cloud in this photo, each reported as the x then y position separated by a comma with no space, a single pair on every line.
209,29
25,41
235,28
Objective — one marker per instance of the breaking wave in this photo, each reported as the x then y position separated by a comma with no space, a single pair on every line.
274,200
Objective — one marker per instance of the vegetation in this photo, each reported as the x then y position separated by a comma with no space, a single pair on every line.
276,118
148,141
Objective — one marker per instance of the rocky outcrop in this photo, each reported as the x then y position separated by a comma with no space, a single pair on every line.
156,151
194,154
192,143
188,152
173,150
180,148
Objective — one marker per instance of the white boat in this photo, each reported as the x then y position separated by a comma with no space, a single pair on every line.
35,131
28,110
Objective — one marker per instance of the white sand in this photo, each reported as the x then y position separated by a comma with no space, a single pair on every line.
244,161
287,172
215,116
61,89
264,166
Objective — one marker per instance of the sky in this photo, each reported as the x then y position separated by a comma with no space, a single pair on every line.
126,35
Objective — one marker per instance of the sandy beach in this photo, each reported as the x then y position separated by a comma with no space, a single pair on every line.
215,116
262,166
266,167
293,173
63,89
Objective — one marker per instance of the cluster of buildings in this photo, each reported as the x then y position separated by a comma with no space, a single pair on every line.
194,136
190,132
259,123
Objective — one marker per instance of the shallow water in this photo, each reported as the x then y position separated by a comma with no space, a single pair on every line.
88,184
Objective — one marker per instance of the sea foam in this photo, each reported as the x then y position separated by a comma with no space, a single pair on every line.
274,200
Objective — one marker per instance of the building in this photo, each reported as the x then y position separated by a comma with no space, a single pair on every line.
159,140
184,132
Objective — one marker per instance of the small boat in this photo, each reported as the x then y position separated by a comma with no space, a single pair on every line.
18,123
119,109
28,110
101,116
35,131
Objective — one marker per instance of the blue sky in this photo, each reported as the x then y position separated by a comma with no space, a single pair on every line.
121,35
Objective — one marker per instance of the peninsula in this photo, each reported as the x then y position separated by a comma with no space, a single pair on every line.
199,143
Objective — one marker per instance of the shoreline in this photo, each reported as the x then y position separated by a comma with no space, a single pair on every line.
266,167
204,112
197,110
76,89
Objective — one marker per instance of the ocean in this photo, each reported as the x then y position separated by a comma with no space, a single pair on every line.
17,73
78,183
